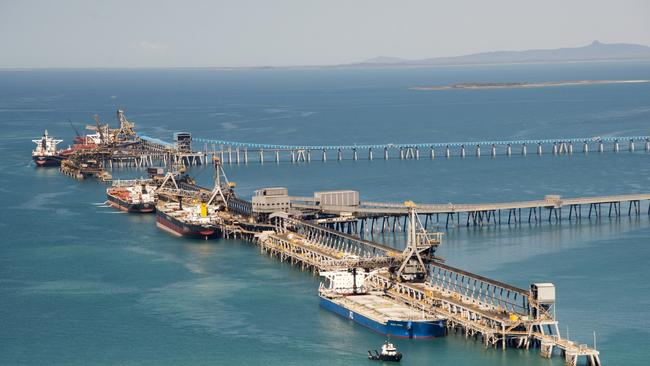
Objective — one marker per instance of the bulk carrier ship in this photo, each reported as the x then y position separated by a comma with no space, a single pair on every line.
45,153
347,295
198,221
136,196
81,143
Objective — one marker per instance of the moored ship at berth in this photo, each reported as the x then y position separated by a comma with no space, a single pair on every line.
45,153
199,221
81,143
347,295
133,196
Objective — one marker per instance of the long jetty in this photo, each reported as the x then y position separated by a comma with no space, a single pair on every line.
233,152
499,314
387,216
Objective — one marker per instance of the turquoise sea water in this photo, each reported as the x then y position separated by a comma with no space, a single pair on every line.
83,284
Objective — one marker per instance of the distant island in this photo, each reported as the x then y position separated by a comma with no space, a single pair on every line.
596,51
523,84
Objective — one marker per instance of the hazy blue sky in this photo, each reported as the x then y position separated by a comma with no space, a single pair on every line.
84,33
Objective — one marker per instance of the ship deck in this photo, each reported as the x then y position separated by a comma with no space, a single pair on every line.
381,308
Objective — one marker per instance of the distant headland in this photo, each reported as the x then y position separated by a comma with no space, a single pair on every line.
596,51
524,85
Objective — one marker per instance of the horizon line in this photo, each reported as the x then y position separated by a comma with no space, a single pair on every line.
323,66
405,62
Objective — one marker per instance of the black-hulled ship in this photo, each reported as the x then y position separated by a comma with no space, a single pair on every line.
45,153
197,220
193,216
133,196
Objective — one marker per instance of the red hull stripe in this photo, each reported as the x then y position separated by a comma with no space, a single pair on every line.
164,227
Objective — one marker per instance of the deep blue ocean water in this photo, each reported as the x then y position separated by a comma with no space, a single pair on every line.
81,284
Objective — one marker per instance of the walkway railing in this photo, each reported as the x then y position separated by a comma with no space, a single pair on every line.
257,146
239,152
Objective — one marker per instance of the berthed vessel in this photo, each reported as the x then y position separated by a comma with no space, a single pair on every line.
197,221
45,153
139,196
347,296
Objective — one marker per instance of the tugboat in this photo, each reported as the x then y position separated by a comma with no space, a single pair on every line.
45,153
138,196
388,353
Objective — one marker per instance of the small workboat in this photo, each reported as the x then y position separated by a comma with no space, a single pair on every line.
388,353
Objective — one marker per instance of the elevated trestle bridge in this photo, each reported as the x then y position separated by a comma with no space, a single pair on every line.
233,152
370,216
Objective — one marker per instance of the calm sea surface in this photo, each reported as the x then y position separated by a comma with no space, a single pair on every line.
81,284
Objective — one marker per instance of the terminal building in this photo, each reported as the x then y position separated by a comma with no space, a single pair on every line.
270,200
267,201
337,198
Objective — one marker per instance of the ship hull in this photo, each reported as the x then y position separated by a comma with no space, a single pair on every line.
126,206
42,161
179,228
392,328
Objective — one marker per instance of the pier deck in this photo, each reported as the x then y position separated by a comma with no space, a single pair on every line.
387,216
398,208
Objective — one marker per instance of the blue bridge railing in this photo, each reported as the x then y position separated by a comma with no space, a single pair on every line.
421,145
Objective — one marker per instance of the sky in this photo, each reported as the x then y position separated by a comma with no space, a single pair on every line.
189,33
